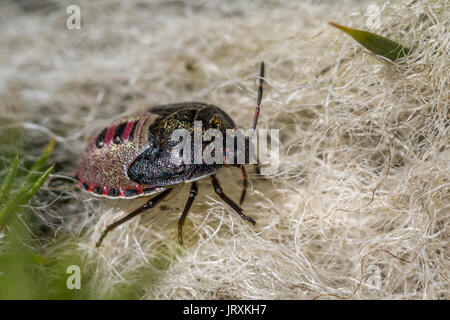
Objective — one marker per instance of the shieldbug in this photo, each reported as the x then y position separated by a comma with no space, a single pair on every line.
132,157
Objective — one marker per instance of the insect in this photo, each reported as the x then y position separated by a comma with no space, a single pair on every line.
132,157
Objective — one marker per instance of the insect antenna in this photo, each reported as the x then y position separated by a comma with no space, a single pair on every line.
258,99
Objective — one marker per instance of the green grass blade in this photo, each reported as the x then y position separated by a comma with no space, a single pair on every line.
39,164
22,197
376,44
8,181
27,193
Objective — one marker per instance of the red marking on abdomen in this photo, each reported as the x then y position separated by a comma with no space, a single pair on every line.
110,134
127,130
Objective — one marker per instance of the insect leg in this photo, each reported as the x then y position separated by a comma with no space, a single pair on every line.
192,195
223,196
258,99
148,205
245,183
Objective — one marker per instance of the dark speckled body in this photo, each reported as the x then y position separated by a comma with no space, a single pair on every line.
132,157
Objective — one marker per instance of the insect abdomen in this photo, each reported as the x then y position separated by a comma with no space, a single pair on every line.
103,167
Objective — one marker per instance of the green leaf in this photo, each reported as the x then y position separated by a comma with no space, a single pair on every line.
22,197
376,44
8,180
39,164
